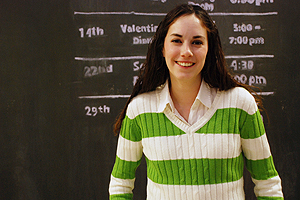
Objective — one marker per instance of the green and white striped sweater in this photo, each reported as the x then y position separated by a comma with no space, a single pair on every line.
203,161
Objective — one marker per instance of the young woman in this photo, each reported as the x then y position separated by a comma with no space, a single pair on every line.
193,122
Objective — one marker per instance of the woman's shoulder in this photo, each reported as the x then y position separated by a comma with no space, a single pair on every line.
239,97
144,98
144,103
241,93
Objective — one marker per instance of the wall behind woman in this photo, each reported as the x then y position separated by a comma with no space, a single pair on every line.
36,44
66,73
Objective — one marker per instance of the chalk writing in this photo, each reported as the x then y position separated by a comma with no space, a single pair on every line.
150,28
242,65
245,40
90,71
91,32
140,40
94,111
257,2
252,80
137,66
245,27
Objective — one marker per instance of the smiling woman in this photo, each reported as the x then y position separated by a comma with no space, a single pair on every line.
185,49
193,122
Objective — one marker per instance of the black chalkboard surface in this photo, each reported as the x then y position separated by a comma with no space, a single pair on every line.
67,68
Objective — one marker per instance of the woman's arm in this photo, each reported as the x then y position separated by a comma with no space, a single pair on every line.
128,158
259,160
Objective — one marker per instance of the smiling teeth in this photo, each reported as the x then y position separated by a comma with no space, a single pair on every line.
185,64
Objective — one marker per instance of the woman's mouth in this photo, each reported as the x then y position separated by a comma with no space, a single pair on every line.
185,64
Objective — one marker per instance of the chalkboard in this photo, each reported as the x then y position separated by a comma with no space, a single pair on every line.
68,67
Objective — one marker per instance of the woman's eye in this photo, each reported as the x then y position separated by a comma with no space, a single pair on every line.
197,42
176,41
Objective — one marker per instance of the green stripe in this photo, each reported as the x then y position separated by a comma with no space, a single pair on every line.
269,198
125,169
126,196
227,120
148,125
235,121
195,171
130,130
157,124
252,127
223,121
261,169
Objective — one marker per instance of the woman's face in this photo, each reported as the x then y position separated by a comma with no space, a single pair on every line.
185,48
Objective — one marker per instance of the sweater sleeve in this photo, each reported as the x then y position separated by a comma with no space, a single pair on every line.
259,160
128,158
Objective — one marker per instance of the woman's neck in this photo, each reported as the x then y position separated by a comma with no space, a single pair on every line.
183,94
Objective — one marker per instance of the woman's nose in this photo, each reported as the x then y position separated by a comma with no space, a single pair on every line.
186,50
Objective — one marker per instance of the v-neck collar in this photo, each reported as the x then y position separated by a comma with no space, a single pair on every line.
187,128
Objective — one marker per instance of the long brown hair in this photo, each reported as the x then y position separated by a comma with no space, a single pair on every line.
155,71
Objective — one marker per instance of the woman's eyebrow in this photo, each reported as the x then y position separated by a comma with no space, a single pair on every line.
198,36
176,34
195,37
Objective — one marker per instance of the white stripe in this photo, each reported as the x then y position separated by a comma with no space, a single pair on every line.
120,186
269,188
256,149
163,14
263,93
127,96
128,150
249,56
143,103
192,146
238,98
144,57
235,98
243,14
226,191
119,13
110,58
104,97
